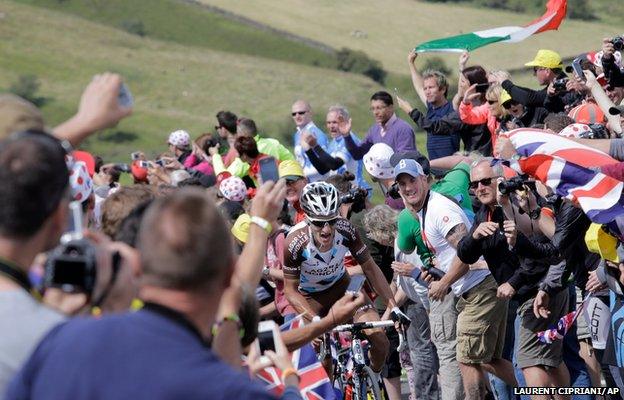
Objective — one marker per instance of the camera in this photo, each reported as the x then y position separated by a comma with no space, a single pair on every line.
618,43
560,84
393,191
354,195
122,168
515,183
598,131
72,267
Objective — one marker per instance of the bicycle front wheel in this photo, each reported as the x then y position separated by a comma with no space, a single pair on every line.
369,386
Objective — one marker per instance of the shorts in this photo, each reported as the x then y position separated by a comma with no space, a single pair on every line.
582,329
392,367
481,324
530,351
321,302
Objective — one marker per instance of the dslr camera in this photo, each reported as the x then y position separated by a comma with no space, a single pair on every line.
71,266
618,43
516,183
560,84
354,195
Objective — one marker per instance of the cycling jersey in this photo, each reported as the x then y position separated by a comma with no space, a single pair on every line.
316,270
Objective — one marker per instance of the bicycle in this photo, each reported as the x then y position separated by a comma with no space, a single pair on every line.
351,372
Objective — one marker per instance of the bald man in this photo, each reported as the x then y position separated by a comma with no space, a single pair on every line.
302,115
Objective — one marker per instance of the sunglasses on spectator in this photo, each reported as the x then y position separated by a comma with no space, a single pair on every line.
484,182
298,113
321,224
507,105
490,102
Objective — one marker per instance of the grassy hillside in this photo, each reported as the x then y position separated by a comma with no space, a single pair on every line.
190,24
174,86
393,28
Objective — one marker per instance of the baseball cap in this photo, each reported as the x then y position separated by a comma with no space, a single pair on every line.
290,170
587,113
616,110
410,167
240,229
600,242
179,138
233,188
377,161
546,59
504,97
412,155
17,114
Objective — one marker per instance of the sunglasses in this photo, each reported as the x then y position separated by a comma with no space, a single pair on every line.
484,182
321,224
298,113
490,102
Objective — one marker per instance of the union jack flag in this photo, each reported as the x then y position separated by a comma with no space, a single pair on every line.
563,325
529,142
599,195
314,383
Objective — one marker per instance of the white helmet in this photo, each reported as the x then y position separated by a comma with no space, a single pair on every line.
320,201
377,161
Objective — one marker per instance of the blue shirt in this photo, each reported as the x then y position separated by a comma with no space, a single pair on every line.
338,148
321,139
141,355
440,145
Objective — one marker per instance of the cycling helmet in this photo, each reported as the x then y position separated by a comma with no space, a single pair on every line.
320,201
377,161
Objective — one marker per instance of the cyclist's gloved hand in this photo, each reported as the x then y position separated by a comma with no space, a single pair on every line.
397,316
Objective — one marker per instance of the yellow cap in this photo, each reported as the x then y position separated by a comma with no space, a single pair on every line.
240,229
600,242
290,170
504,97
546,59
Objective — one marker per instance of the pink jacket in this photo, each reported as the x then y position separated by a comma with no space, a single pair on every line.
202,166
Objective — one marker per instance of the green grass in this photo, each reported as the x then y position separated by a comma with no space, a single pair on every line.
393,29
174,86
193,25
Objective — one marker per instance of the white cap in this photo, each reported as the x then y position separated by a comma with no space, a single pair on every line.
179,138
233,188
377,161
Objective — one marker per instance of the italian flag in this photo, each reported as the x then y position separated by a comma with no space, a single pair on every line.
555,13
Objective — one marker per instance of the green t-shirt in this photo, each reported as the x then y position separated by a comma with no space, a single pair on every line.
454,184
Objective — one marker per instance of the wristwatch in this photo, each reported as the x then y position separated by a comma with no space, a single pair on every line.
262,223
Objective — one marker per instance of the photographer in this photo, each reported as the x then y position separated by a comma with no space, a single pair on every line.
612,71
34,181
547,68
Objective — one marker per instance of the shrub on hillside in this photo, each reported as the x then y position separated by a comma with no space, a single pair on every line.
358,62
134,26
26,87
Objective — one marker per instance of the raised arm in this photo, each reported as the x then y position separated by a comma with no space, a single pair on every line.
417,80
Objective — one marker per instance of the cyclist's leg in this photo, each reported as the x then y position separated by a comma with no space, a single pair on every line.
376,337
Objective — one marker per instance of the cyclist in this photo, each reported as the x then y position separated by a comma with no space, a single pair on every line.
315,276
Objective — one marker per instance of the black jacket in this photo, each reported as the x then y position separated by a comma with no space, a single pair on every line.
612,72
540,98
474,137
505,264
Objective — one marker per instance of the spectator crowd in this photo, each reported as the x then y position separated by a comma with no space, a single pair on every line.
498,246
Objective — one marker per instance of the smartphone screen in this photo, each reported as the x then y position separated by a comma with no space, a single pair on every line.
124,98
268,169
356,283
578,69
266,341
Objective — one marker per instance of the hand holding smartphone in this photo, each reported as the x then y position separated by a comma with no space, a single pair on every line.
356,284
268,170
267,331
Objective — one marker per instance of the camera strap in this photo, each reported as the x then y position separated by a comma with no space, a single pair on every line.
14,273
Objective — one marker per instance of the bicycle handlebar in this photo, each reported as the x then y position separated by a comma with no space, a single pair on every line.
374,324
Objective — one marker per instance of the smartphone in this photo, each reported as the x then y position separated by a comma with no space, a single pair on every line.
144,164
124,98
578,69
482,87
268,169
122,167
356,283
267,330
135,156
160,163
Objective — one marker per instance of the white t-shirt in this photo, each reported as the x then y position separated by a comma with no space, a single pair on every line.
442,216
